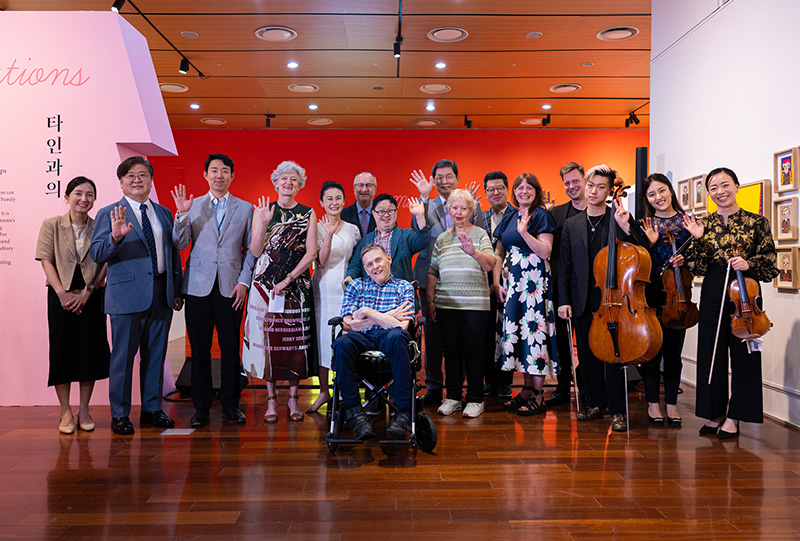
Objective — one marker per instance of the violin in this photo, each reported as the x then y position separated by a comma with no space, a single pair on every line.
678,312
748,321
624,329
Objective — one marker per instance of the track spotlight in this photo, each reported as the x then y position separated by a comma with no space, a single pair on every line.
184,69
546,121
397,42
632,119
117,5
269,120
467,122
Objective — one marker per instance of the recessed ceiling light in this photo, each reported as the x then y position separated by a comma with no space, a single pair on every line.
587,64
447,34
427,122
534,35
214,121
378,88
276,33
188,34
292,65
313,107
440,65
320,121
617,33
194,106
435,88
430,106
173,87
531,121
303,87
546,106
565,88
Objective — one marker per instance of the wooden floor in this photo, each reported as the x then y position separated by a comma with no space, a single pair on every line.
496,477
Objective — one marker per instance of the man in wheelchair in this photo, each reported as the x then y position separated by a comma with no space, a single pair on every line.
376,310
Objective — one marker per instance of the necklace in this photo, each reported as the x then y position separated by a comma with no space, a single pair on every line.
594,225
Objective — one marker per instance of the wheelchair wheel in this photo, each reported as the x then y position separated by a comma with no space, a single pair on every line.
426,433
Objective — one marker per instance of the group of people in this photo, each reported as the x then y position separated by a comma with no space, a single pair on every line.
498,288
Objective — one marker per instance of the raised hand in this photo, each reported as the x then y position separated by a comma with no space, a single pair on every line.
179,196
119,226
650,230
263,210
522,221
473,189
424,186
549,202
415,207
693,226
329,225
466,244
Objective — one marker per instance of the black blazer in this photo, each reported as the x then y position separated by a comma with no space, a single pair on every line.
350,215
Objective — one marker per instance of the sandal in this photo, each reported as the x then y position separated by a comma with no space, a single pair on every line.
515,403
532,406
295,415
313,408
271,417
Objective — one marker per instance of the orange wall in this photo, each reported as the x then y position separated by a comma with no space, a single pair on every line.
391,155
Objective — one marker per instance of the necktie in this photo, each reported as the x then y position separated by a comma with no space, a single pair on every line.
147,229
364,222
219,211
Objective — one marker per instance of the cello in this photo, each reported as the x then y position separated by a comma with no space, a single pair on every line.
678,311
624,330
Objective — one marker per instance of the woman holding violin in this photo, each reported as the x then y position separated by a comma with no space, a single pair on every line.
742,240
664,230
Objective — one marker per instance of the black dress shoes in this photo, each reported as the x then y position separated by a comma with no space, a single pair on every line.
156,418
725,435
200,418
399,425
234,416
558,397
706,430
433,396
121,426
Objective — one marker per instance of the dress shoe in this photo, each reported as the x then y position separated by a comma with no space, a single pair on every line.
156,418
725,435
375,408
68,427
488,389
121,426
362,428
558,397
399,425
234,416
504,390
706,430
433,396
591,414
619,423
200,418
86,426
674,421
656,420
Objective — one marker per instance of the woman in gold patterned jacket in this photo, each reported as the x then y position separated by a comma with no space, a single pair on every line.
756,259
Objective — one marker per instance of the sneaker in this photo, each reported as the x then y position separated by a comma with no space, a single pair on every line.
619,423
399,425
449,406
504,390
473,409
362,428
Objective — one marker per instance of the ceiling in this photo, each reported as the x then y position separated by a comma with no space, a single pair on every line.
497,76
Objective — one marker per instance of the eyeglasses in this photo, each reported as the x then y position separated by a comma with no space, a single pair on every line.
440,178
140,176
496,190
382,213
362,185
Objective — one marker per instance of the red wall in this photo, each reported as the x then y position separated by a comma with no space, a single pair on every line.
391,155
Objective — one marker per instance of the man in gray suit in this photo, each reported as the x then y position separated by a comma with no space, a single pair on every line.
144,282
218,274
444,177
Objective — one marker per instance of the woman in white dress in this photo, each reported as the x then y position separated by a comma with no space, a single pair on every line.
336,240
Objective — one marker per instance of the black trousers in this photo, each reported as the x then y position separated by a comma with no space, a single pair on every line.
463,351
493,374
745,401
651,370
604,383
434,378
202,315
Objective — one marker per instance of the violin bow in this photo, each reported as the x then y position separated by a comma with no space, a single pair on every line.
719,321
679,251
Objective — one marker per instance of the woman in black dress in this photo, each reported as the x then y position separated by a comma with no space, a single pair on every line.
78,342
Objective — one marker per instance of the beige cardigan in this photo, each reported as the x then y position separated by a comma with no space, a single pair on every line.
57,244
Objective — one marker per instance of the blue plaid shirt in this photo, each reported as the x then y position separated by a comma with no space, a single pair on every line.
365,292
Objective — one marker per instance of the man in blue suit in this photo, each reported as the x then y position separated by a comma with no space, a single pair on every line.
360,213
218,274
134,238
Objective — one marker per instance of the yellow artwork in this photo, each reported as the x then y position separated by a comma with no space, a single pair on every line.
751,197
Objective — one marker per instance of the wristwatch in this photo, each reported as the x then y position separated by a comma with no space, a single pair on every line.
290,277
91,288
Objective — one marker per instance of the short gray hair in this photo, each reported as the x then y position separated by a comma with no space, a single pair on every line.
465,196
365,173
287,167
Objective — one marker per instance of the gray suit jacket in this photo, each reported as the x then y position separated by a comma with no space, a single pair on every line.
222,255
435,217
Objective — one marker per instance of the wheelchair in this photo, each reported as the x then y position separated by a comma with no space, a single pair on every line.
372,367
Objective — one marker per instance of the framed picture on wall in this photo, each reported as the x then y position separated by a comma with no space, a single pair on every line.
784,224
755,197
685,193
787,265
699,192
786,164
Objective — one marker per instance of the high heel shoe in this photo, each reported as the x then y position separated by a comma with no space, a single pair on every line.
86,426
295,415
271,418
66,428
656,420
674,421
